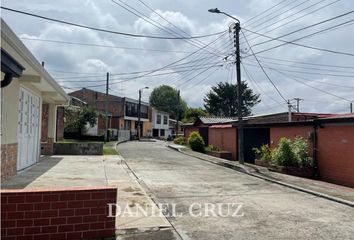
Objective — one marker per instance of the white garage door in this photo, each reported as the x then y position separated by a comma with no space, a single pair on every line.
28,129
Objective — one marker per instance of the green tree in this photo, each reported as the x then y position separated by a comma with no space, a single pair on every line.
222,100
77,118
192,114
165,98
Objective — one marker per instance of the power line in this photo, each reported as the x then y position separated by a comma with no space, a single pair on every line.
104,46
170,64
306,36
311,73
153,75
261,13
281,13
256,84
306,63
300,29
308,85
105,30
169,22
302,67
265,73
203,79
295,19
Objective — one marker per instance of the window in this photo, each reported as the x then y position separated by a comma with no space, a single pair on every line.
165,120
162,132
158,119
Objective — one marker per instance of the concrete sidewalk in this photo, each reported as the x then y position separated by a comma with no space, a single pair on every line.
337,193
84,171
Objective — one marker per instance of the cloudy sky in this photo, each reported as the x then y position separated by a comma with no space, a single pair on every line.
323,79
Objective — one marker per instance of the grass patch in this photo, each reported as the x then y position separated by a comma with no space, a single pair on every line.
109,151
110,148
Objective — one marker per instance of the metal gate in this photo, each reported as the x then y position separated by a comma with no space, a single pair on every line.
254,138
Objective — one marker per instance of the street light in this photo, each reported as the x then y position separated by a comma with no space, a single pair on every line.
139,106
239,91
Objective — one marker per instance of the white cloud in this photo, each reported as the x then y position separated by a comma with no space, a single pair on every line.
194,19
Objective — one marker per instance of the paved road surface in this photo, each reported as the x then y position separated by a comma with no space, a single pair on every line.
269,211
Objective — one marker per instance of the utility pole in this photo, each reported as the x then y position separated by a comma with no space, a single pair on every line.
139,112
178,111
106,108
289,111
139,108
351,107
239,90
298,103
239,94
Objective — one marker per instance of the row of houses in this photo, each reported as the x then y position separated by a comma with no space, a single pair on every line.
331,138
122,114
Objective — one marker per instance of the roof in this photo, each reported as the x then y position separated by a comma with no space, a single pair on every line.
42,80
216,120
222,126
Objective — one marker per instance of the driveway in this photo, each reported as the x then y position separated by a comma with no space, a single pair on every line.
268,211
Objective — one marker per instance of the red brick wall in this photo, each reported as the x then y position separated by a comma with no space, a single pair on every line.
8,160
225,138
276,133
57,214
189,129
44,126
336,154
60,123
97,100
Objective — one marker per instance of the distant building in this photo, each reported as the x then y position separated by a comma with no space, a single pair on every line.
122,112
160,124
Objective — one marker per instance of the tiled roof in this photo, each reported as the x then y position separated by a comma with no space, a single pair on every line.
216,120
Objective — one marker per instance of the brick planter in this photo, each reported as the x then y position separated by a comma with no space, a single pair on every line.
306,172
261,163
222,154
70,213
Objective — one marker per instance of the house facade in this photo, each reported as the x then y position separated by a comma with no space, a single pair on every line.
29,100
160,124
122,112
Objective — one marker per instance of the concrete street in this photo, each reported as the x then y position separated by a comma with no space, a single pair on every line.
270,211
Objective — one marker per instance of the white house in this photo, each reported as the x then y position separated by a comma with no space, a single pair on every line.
29,97
160,124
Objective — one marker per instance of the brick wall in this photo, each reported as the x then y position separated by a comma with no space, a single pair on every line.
335,154
97,100
60,124
290,132
44,126
57,214
8,160
47,147
189,129
225,138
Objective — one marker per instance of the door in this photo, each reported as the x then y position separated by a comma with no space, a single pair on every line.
204,132
28,129
254,138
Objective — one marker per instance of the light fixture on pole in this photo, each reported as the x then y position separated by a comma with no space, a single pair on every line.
239,83
139,108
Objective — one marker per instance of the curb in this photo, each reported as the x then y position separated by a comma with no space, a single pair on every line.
254,174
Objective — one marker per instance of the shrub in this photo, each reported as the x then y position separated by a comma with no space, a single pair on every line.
264,152
212,148
284,154
300,148
196,142
180,141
